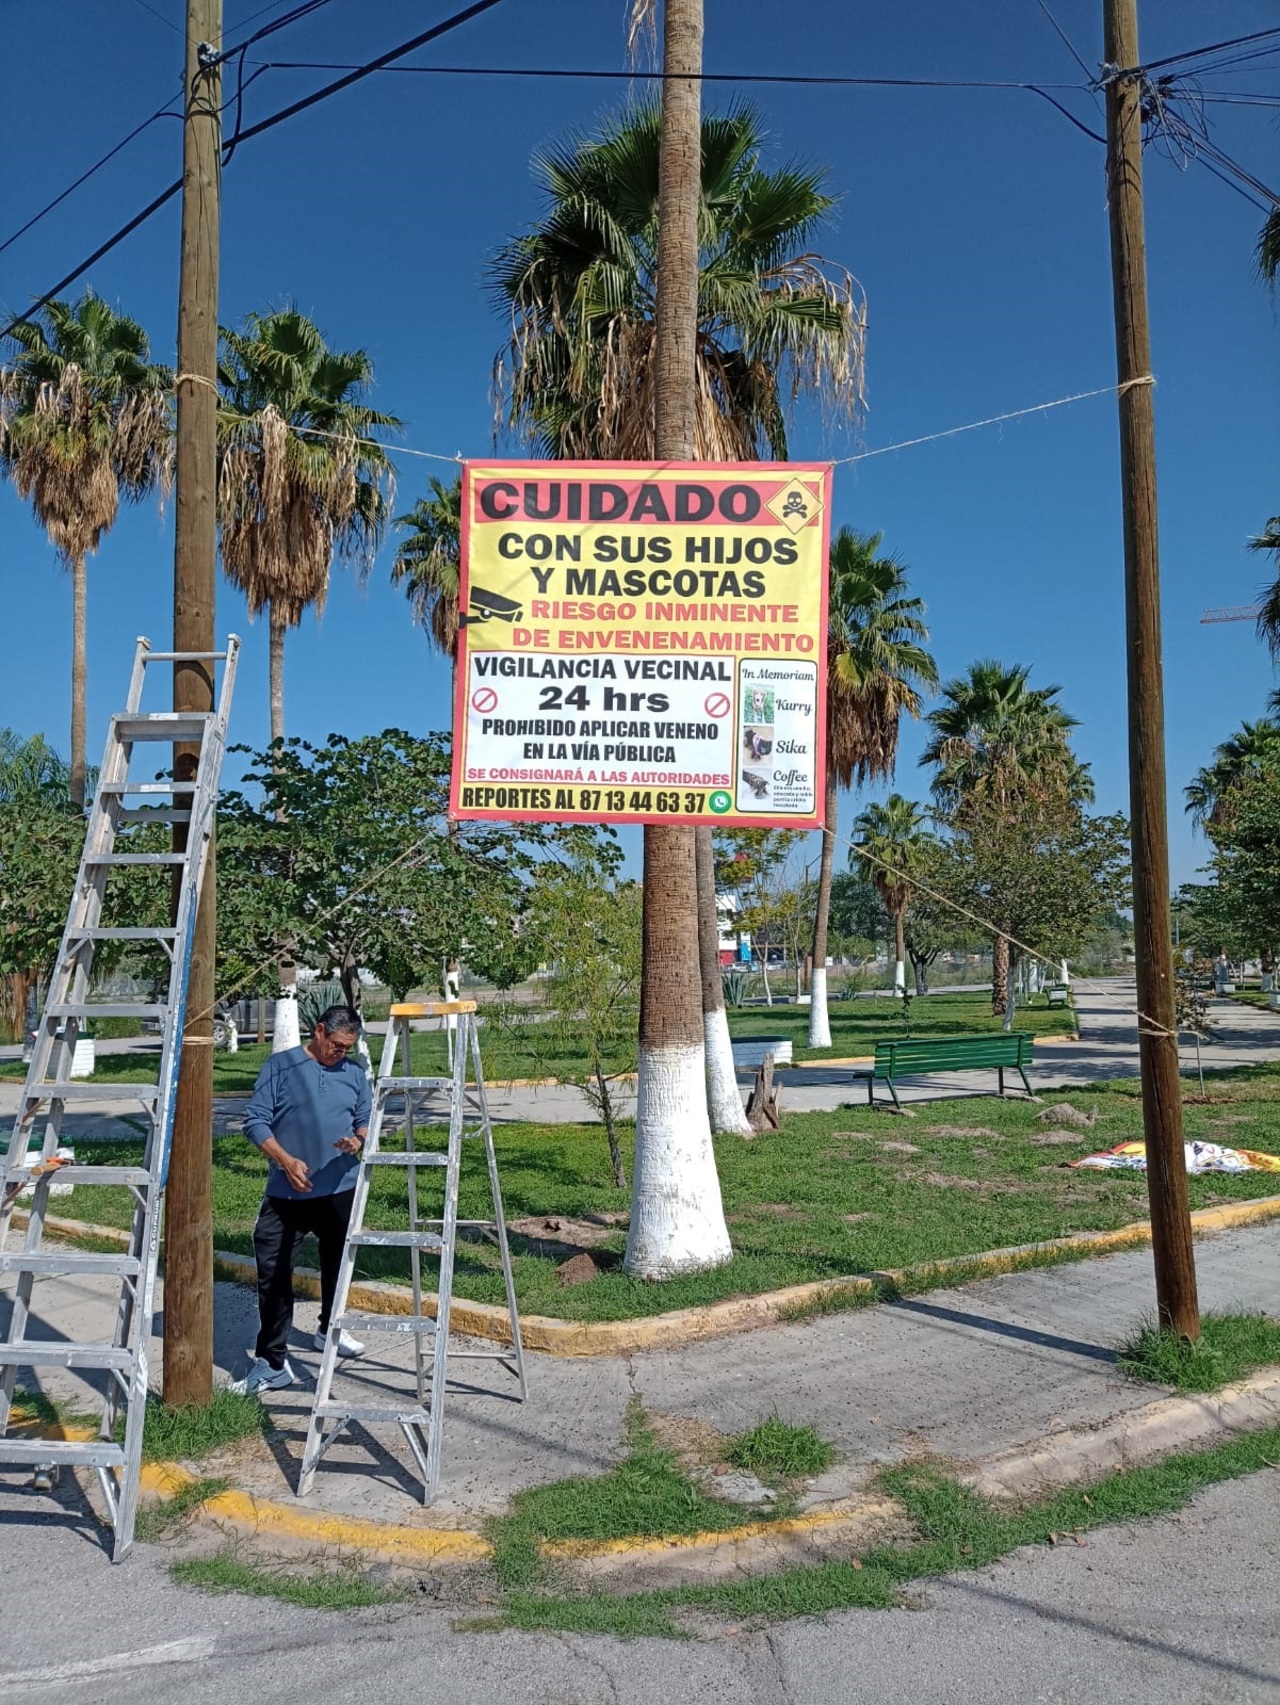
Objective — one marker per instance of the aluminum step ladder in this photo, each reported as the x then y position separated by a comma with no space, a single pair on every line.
421,1419
122,800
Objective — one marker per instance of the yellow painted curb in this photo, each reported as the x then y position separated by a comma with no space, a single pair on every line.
814,1521
558,1337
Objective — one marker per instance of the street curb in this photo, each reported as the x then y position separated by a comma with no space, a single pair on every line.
1157,1429
558,1337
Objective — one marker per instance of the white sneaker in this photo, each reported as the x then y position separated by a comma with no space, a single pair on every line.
263,1377
347,1345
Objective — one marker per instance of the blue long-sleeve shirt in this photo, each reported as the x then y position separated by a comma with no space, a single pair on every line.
307,1108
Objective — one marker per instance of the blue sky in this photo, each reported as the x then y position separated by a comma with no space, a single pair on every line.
975,221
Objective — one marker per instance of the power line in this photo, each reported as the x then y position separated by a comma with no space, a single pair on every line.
164,112
1204,52
451,23
1066,40
160,18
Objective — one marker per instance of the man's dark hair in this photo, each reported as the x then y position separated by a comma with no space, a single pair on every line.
344,1019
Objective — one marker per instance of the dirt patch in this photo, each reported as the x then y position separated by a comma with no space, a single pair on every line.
856,1219
963,1131
588,1265
694,1444
561,1236
1054,1139
783,1209
851,1136
992,1186
900,1148
1063,1113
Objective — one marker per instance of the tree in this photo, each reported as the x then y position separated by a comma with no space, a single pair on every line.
580,375
580,1025
84,421
774,319
1001,748
300,480
891,842
876,666
1253,751
428,563
344,850
1040,879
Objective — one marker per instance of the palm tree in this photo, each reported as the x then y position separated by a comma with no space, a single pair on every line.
876,665
427,563
84,420
300,479
774,319
579,373
890,842
1268,540
30,769
1252,751
1000,745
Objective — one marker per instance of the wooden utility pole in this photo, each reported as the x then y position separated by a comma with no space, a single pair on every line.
1157,1025
188,1277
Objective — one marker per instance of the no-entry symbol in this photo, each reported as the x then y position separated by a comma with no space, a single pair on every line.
484,700
717,705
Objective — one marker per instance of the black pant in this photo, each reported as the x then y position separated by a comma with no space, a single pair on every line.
282,1224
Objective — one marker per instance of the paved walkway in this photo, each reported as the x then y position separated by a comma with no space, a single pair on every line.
1107,1047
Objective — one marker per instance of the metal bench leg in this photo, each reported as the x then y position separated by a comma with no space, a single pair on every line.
1000,1075
1022,1074
893,1092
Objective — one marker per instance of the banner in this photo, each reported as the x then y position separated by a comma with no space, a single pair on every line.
643,643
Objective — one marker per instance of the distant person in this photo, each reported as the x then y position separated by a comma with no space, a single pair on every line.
309,1114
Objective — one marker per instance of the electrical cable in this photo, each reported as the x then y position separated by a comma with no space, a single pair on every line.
164,112
268,123
1066,40
1200,52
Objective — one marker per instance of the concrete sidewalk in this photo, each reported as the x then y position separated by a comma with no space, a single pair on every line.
999,1365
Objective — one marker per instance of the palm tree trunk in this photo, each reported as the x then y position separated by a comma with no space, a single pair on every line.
79,679
819,1022
677,1216
277,675
724,1104
900,945
999,975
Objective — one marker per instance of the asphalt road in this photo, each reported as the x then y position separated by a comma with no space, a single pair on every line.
1174,1612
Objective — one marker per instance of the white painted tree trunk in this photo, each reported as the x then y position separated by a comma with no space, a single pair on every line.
724,1103
899,976
286,1033
819,1021
677,1215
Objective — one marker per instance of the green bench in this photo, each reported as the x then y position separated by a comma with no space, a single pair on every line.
1004,1051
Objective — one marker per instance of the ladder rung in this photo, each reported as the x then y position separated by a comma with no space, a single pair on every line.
185,657
74,1173
67,1261
84,1090
403,1083
57,1355
106,1009
135,858
75,1453
363,1412
422,1157
111,933
121,787
154,814
163,725
415,1324
395,1239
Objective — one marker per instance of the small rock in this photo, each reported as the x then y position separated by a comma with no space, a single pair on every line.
1063,1113
739,1488
902,1112
900,1148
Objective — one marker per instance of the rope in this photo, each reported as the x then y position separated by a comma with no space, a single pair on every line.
194,379
1153,1025
999,419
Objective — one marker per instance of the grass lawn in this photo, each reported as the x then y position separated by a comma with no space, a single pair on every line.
832,1194
856,1027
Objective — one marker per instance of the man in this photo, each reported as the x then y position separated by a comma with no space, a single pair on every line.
309,1114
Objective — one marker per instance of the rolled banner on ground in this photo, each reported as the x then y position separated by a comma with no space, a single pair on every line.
1201,1157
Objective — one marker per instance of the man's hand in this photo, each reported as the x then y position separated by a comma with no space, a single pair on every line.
350,1145
295,1170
